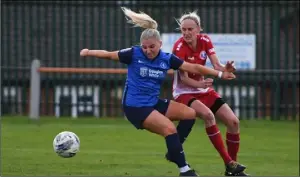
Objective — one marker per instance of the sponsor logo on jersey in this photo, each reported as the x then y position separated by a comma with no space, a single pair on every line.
178,46
205,39
191,58
212,50
144,72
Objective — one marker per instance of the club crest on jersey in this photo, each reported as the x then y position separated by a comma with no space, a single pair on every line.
163,65
143,71
203,55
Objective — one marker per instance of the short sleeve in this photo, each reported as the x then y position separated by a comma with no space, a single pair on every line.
178,50
210,50
175,62
125,55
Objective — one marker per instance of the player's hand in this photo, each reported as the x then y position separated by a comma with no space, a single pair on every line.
84,52
230,66
206,83
228,75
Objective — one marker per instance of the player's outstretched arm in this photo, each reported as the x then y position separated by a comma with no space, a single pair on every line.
199,69
100,54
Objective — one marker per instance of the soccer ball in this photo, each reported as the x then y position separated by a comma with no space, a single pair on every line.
66,144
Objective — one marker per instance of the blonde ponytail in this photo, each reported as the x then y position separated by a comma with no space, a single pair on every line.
144,21
139,19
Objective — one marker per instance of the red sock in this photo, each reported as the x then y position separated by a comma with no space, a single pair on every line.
215,137
233,144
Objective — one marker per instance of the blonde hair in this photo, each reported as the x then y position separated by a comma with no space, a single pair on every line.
192,16
144,21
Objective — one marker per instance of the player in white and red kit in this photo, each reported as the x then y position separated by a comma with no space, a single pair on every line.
196,91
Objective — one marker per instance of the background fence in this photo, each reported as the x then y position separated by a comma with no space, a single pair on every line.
55,32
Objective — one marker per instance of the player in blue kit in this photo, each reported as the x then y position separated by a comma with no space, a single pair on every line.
147,69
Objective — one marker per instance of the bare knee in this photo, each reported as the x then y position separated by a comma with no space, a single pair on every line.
208,118
191,113
169,130
233,125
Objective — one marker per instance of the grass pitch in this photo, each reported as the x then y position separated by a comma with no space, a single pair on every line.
113,147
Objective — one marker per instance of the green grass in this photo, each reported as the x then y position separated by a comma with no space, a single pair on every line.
113,147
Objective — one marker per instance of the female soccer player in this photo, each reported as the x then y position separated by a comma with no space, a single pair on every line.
194,91
147,68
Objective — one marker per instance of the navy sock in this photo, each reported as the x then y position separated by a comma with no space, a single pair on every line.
184,128
175,150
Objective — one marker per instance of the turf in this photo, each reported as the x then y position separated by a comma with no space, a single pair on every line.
113,147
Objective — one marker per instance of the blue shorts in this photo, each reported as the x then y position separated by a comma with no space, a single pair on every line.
137,115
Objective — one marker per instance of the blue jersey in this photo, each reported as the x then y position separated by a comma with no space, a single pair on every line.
145,76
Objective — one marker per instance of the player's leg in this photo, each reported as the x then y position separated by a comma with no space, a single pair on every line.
226,115
159,124
223,112
210,123
212,129
150,119
179,111
184,127
186,117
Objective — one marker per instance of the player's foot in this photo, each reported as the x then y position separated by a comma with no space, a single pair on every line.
168,158
233,168
189,173
242,174
238,174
